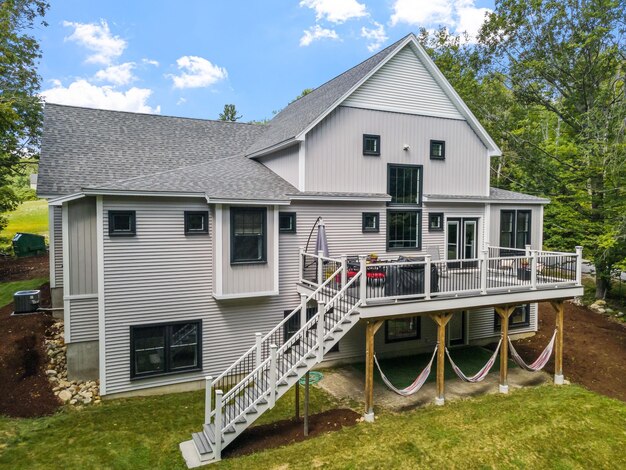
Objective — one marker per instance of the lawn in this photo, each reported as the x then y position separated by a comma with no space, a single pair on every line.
29,217
542,427
7,289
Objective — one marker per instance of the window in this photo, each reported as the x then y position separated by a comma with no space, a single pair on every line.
196,222
437,150
122,223
519,318
404,214
515,227
435,221
248,227
371,221
287,222
403,329
371,144
164,349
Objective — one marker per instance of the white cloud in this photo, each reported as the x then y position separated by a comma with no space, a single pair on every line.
470,18
83,93
150,62
197,72
376,36
181,101
98,39
315,33
335,11
121,74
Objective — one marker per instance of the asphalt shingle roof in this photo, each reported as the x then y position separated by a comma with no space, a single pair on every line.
495,194
88,147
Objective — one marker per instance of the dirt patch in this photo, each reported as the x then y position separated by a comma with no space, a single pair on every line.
25,391
18,269
281,433
594,348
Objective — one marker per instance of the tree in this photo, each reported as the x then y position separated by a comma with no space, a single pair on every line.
229,114
20,105
304,92
564,62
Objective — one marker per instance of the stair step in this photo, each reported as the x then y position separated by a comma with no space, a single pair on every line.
252,411
202,443
209,432
241,420
292,374
230,429
328,340
302,366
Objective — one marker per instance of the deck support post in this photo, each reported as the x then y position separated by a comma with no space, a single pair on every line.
441,319
207,400
218,425
558,347
504,313
306,403
370,331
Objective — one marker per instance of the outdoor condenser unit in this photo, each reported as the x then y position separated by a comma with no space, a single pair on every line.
26,301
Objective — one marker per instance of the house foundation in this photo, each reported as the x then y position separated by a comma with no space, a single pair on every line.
82,361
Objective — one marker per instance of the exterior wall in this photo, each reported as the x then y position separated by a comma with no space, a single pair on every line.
536,219
438,238
481,324
56,237
284,163
335,162
404,85
83,272
82,361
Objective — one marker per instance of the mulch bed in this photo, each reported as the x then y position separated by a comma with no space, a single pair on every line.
19,269
281,433
25,391
594,348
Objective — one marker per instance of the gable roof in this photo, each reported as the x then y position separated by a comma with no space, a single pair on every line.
88,147
300,116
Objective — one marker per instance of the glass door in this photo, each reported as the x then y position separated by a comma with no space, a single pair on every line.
462,242
453,245
469,242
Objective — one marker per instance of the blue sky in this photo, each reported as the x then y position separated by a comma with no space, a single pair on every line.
189,58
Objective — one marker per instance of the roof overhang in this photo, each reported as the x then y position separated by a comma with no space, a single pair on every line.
484,200
248,202
338,198
274,148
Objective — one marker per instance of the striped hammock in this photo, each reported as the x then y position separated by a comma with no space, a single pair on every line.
541,361
482,373
417,383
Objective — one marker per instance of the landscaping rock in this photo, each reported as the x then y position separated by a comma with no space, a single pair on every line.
65,395
51,372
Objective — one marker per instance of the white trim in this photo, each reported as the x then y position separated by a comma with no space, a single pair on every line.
58,201
483,200
101,305
67,317
53,280
80,297
47,196
116,192
279,146
219,222
301,197
248,202
487,227
245,295
276,250
302,166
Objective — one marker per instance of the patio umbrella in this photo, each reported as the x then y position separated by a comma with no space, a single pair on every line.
322,243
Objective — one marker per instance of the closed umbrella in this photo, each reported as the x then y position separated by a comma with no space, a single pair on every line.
322,243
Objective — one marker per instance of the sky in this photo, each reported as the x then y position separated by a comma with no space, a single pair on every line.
190,57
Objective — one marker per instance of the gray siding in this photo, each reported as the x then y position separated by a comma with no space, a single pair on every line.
83,319
481,324
335,160
57,227
284,163
536,237
83,270
404,85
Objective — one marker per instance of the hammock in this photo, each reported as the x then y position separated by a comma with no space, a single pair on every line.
541,361
482,373
417,383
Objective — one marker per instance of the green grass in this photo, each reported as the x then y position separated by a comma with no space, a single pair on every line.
542,427
7,289
29,217
402,371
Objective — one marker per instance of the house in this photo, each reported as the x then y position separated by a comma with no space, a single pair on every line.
175,241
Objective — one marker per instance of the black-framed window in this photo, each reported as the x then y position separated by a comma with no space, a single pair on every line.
404,212
196,222
122,223
518,319
403,329
371,144
515,228
435,222
248,235
404,184
287,222
437,150
371,222
292,326
165,348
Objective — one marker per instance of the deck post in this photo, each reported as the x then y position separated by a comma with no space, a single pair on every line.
579,265
527,250
320,331
558,349
303,305
306,403
344,270
370,331
441,319
301,262
320,268
218,425
363,280
207,400
484,266
297,399
427,268
504,313
273,375
533,270
259,352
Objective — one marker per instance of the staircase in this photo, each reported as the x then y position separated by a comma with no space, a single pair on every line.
251,386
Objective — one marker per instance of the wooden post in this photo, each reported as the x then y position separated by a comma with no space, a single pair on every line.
441,319
504,313
558,347
306,404
370,331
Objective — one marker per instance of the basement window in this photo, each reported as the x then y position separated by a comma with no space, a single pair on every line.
402,329
122,223
196,222
371,144
518,319
437,150
165,349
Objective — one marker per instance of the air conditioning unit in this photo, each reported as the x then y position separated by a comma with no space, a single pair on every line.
26,301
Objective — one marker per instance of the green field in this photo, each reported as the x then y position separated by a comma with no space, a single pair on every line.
540,427
29,217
